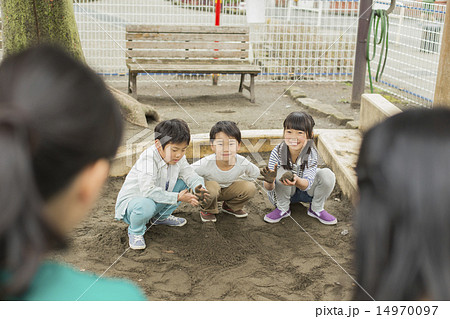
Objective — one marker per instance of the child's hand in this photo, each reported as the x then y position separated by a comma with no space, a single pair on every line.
287,176
268,175
201,193
185,196
289,179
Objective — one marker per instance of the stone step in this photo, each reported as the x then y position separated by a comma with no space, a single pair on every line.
295,92
316,107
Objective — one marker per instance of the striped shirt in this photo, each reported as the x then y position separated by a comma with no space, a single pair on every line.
309,173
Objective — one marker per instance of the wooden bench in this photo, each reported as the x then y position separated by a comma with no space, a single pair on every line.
189,50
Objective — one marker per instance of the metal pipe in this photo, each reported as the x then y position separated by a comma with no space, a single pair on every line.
391,7
359,68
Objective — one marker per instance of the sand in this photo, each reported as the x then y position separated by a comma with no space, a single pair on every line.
233,259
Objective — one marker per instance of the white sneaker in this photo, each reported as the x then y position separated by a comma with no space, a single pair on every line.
170,221
136,241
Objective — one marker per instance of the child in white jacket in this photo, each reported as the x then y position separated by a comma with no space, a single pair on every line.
158,182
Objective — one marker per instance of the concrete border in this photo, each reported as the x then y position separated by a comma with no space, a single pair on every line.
374,109
340,149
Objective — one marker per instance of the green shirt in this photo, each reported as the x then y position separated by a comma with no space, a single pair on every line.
55,282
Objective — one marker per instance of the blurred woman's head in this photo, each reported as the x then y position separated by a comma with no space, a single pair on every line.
59,126
403,216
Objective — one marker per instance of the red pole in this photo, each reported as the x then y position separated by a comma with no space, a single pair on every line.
215,77
218,11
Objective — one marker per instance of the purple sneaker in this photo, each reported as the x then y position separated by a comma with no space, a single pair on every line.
323,216
276,215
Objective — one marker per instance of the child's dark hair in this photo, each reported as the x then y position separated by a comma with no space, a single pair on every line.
300,121
173,131
228,127
56,117
403,215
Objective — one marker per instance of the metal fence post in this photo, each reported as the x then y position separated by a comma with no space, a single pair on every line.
359,69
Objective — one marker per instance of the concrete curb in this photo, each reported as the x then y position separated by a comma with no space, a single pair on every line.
340,149
295,93
374,109
316,107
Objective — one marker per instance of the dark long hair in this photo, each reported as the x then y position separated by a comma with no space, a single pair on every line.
56,117
403,216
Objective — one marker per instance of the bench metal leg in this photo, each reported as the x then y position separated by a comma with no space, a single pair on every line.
215,79
252,88
129,82
134,85
241,85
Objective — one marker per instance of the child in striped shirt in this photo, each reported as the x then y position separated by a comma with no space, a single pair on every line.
292,175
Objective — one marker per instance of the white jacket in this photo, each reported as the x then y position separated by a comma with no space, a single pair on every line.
153,178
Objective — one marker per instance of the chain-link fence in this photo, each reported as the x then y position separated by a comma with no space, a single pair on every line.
102,28
305,40
311,40
414,44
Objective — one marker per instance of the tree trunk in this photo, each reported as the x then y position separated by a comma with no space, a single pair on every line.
134,111
30,22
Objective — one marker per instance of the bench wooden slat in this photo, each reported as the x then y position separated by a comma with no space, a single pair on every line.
187,61
186,29
188,54
189,50
193,68
187,45
187,37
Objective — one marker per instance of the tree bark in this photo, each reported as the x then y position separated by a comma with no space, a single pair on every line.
28,23
134,111
31,22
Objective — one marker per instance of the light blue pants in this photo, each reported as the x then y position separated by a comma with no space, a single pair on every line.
141,209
